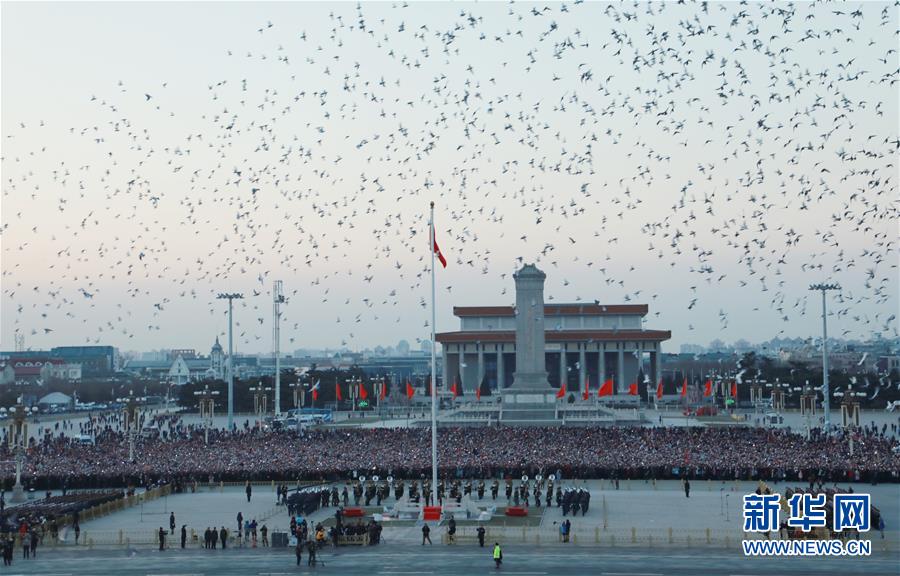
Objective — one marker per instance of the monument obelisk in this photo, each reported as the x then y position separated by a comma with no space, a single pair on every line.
530,399
531,373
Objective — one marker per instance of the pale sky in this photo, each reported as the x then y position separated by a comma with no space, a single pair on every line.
711,163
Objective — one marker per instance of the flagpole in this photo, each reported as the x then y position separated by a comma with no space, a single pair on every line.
434,462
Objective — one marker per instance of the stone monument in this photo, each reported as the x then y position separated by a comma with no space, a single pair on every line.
530,398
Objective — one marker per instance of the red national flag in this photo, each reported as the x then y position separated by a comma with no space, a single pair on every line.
440,256
633,389
362,391
337,391
734,390
659,390
478,392
410,391
455,390
707,390
383,394
561,393
587,389
606,389
684,388
315,392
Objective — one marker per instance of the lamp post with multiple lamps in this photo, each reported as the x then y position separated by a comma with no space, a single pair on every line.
207,407
299,392
132,421
17,437
260,399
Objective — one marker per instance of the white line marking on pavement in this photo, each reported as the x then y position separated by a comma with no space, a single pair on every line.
630,574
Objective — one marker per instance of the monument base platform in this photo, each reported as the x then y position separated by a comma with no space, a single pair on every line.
529,407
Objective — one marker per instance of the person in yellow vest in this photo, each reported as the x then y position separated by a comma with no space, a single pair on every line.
498,555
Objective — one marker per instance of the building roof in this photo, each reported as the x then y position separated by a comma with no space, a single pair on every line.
147,364
55,398
555,310
556,336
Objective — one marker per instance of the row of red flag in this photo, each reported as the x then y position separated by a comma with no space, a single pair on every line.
606,389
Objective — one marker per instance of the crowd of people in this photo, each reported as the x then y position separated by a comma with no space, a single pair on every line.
181,456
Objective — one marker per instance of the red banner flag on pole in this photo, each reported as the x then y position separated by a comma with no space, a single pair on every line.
410,391
337,391
478,392
684,388
587,389
606,389
383,394
734,390
633,389
437,252
659,390
561,393
455,390
707,390
363,394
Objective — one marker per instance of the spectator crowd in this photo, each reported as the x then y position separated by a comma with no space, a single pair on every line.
180,455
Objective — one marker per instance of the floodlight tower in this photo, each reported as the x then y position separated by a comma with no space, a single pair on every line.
278,299
826,404
230,364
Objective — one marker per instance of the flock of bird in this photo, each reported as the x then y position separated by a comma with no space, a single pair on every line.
707,158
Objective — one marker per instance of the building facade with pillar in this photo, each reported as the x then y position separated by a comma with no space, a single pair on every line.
592,342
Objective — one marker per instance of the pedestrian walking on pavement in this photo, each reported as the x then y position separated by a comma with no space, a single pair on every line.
172,523
183,535
162,538
425,534
249,491
498,555
481,536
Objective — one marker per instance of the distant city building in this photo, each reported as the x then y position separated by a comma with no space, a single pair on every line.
186,353
888,363
691,349
403,348
94,360
31,369
217,361
184,366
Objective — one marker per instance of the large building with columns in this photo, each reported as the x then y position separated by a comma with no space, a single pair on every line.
582,342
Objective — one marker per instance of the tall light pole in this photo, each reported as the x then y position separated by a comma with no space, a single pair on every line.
278,299
826,404
230,364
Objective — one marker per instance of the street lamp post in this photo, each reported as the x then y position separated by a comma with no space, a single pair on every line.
826,404
131,421
207,408
299,394
230,364
260,400
17,437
